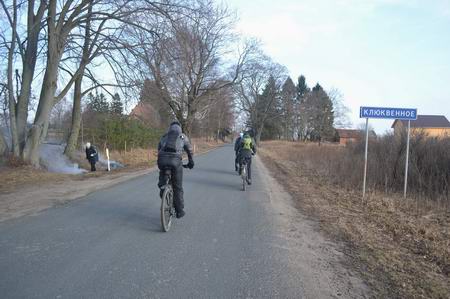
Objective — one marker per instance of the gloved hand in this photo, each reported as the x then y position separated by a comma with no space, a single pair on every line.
190,164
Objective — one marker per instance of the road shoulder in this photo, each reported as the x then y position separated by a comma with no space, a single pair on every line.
306,250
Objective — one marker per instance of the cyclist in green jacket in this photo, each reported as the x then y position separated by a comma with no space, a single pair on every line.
246,150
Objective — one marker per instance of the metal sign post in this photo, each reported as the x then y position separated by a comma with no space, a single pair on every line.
365,157
407,160
387,113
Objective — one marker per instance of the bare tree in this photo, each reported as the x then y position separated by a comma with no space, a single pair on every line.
25,43
67,27
60,22
218,119
110,42
341,112
185,58
250,89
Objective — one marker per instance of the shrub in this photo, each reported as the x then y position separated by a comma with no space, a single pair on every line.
119,133
429,165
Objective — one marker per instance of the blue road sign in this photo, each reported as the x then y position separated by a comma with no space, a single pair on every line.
388,113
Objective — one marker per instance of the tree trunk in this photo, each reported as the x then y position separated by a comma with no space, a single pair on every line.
188,122
258,134
3,145
12,102
29,66
24,98
57,37
76,119
39,129
18,119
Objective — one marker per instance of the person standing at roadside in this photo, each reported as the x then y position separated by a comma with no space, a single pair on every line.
91,155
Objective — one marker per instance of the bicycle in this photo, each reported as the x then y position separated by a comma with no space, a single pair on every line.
167,207
244,173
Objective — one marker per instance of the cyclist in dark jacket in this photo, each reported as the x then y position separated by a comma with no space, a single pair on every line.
237,144
246,150
170,152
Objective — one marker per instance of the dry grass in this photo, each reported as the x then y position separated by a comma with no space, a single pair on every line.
403,249
135,157
145,157
11,178
201,145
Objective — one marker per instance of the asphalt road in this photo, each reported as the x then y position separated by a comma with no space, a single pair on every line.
230,244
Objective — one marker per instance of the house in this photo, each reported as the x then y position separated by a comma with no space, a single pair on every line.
145,112
344,136
431,125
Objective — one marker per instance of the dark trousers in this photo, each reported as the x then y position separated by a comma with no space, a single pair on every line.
248,158
92,161
177,184
236,159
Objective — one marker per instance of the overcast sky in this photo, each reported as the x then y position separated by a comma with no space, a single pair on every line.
388,53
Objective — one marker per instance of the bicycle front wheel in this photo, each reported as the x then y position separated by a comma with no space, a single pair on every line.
167,209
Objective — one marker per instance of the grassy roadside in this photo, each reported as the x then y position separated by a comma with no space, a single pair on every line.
402,251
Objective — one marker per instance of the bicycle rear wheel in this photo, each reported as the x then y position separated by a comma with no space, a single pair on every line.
167,209
244,177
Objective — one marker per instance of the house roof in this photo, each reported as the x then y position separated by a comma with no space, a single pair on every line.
426,121
348,133
352,133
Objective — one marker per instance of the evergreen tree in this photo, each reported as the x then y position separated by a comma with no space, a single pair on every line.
116,105
288,99
269,108
317,109
266,116
302,88
300,120
317,88
98,103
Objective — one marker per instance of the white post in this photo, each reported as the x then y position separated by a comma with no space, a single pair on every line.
107,157
407,160
365,157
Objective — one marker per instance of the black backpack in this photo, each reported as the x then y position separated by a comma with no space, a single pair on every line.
171,142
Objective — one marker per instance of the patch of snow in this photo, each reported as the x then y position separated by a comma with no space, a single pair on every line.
112,164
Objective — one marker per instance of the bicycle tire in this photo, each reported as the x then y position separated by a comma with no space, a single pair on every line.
167,209
244,177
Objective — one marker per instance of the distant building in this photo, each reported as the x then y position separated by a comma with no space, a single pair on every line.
344,136
145,112
431,125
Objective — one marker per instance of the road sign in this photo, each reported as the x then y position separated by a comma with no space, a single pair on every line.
388,113
408,114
